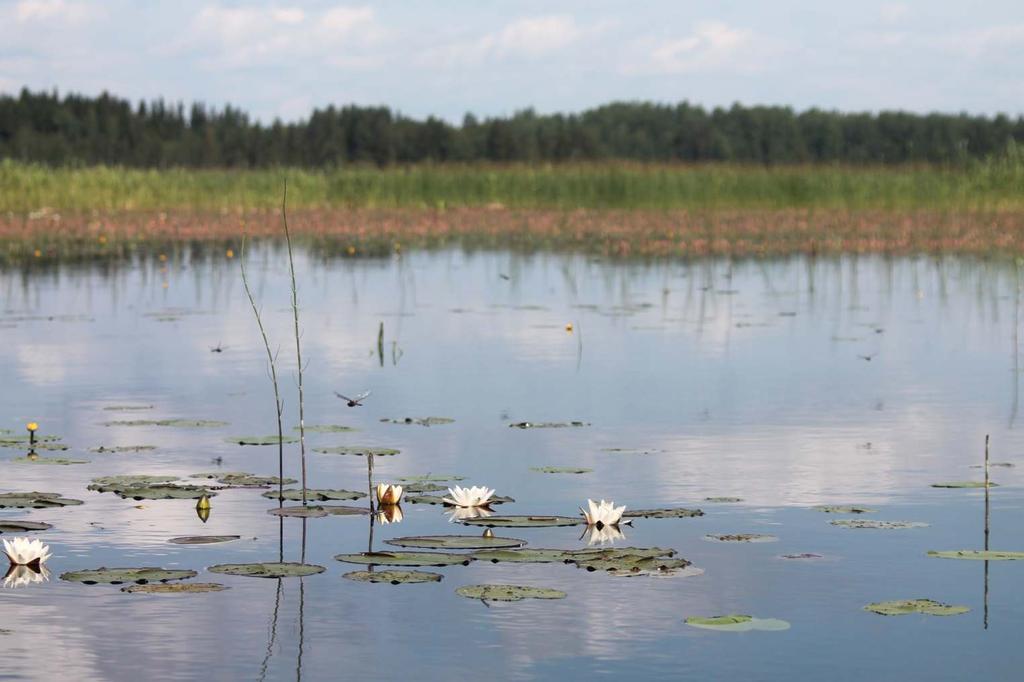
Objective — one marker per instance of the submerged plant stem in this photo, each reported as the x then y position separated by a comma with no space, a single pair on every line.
278,405
298,344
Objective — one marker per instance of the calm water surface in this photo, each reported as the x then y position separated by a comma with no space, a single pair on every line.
744,379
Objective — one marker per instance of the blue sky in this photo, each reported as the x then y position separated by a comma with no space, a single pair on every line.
280,59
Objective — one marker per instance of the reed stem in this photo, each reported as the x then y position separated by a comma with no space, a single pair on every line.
298,344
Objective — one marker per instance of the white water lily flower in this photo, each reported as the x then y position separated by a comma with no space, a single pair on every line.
23,552
464,513
389,493
605,535
390,513
20,576
477,496
602,514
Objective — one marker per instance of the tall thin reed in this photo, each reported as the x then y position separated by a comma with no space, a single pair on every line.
298,345
271,360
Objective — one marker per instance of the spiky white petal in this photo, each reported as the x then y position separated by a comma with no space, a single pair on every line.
477,496
602,513
20,576
22,551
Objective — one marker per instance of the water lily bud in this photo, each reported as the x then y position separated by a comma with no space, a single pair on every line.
32,426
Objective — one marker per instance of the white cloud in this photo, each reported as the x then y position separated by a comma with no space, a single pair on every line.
28,11
893,12
711,45
976,42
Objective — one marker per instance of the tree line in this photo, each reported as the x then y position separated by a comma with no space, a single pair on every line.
45,127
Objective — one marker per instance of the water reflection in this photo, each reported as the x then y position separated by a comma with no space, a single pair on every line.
700,379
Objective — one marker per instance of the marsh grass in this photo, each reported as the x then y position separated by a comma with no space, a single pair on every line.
994,184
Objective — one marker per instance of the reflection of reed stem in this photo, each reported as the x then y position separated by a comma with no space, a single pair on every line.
986,532
278,405
298,345
273,632
369,480
302,606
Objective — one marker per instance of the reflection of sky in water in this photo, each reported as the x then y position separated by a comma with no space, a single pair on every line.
742,380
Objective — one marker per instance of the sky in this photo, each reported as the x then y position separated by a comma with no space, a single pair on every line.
489,57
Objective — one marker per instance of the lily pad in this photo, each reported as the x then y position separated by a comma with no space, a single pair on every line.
358,450
240,479
325,428
127,408
36,500
524,521
740,537
422,488
59,461
299,511
314,494
268,570
561,470
259,440
46,447
430,478
634,565
434,499
343,510
547,425
964,484
508,592
525,556
907,606
203,539
122,448
116,576
844,509
456,542
736,623
178,423
394,577
406,558
144,487
978,554
663,513
107,484
880,525
420,421
802,555
723,500
16,526
10,441
179,588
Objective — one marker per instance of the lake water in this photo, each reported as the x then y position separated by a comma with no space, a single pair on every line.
705,379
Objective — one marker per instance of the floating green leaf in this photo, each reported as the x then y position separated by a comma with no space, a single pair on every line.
359,450
314,494
723,500
663,513
430,478
978,554
394,577
531,556
964,484
116,576
177,423
547,425
36,500
259,440
128,408
740,537
456,542
636,565
43,447
17,526
59,461
561,470
1005,465
405,558
241,479
844,509
180,588
508,592
122,448
907,606
203,539
107,484
326,428
736,623
420,421
11,441
804,555
268,570
524,521
421,488
318,511
146,487
880,525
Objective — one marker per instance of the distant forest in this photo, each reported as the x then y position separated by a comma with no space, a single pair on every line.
46,128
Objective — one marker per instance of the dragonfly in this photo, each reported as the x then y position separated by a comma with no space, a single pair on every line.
356,401
219,348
